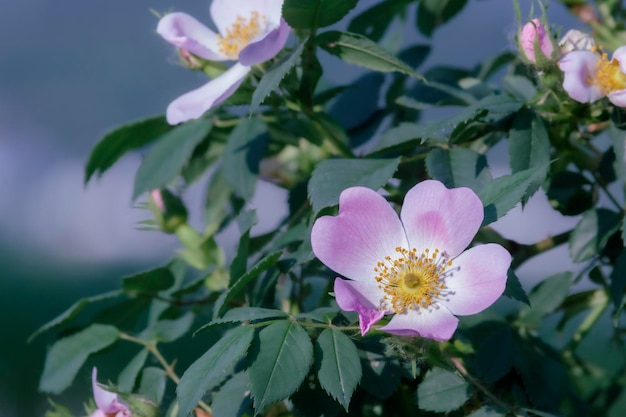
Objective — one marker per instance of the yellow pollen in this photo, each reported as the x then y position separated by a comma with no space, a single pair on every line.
240,34
412,281
609,77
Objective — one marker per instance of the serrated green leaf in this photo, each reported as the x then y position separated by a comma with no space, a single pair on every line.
312,14
285,354
152,384
592,233
122,140
332,176
514,288
374,21
167,157
321,314
212,368
272,78
338,365
233,398
241,314
545,298
358,50
459,167
67,355
128,376
433,13
504,193
169,330
149,282
244,151
73,311
442,391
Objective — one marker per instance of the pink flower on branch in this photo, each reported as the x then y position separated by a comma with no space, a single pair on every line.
250,32
107,402
415,266
589,76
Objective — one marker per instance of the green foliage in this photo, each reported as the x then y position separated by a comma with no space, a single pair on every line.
433,13
442,391
312,14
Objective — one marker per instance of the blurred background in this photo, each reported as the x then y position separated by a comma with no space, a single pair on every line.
72,70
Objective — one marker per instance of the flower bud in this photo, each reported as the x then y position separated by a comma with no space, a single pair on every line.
188,60
575,40
535,43
169,211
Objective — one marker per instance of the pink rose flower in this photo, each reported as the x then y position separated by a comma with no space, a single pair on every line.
250,32
415,266
534,35
589,76
107,402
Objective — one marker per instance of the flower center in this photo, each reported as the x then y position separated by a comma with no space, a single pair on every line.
412,281
609,77
240,34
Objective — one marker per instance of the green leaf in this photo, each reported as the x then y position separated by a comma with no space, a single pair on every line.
233,398
514,289
618,282
571,193
545,298
246,221
592,233
152,384
529,147
374,22
166,158
489,411
312,14
149,282
442,391
73,311
274,76
212,368
128,376
284,357
67,355
169,330
122,140
459,167
494,357
433,13
503,193
244,150
338,365
332,176
241,314
358,50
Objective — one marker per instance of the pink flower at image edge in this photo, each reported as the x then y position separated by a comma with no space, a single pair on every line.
107,402
250,32
414,267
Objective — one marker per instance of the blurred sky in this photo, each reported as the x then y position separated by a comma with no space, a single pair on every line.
72,70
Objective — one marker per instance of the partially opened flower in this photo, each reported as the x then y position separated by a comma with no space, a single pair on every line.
589,76
250,32
107,402
415,266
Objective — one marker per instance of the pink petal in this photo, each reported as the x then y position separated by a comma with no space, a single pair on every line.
193,104
184,31
578,68
104,399
435,217
437,324
365,231
225,12
349,298
266,46
478,279
618,98
98,413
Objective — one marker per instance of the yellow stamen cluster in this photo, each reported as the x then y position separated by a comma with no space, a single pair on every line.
609,77
412,281
240,34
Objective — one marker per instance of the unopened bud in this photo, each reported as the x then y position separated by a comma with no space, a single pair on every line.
188,60
169,211
535,43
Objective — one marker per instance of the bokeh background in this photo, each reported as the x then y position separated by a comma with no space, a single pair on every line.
72,70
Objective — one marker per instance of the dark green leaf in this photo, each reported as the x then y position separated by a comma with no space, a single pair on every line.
332,176
442,391
239,264
489,411
149,282
618,282
169,330
167,157
545,298
495,355
374,22
244,150
514,289
241,314
433,13
67,355
128,376
272,78
152,384
338,366
284,356
592,233
459,167
358,50
321,314
504,193
121,140
233,398
570,193
312,14
212,368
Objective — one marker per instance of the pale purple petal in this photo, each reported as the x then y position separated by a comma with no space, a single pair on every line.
184,31
193,104
619,97
435,217
225,12
266,46
98,413
349,298
103,398
579,69
437,324
478,278
365,231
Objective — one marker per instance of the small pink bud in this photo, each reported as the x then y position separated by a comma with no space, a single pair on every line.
188,60
157,199
534,33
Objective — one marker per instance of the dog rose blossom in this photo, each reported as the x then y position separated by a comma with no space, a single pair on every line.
590,75
250,32
534,35
107,402
415,266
